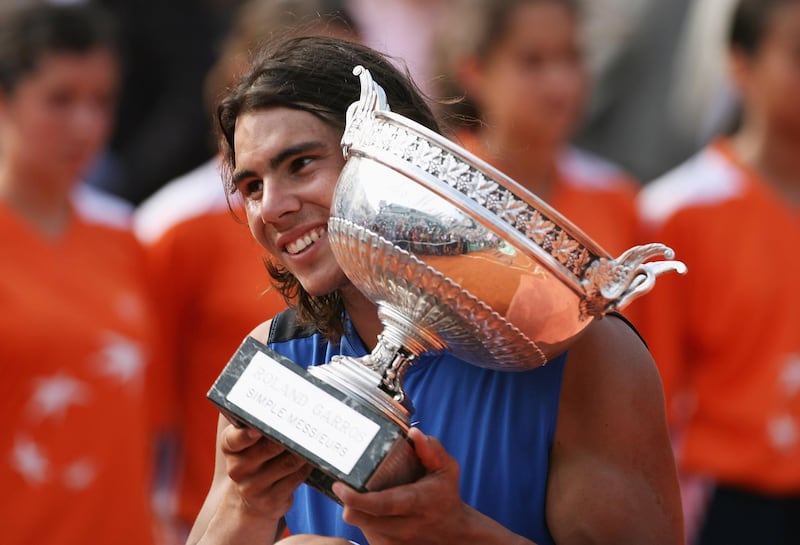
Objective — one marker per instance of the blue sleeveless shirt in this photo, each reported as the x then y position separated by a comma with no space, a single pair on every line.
499,426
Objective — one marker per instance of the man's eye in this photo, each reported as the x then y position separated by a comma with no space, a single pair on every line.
251,189
298,164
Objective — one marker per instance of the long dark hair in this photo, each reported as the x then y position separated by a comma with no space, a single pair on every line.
313,74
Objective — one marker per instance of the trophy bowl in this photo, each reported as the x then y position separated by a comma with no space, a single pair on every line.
458,256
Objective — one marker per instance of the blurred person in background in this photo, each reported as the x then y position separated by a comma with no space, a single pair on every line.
388,26
519,66
213,285
78,338
660,86
628,118
702,100
727,336
162,126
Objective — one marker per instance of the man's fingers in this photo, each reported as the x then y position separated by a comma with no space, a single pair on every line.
235,439
344,492
430,451
387,503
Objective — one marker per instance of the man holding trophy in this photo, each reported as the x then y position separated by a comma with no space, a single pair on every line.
521,434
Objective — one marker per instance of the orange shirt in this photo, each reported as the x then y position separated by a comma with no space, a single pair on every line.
599,198
213,290
726,336
77,342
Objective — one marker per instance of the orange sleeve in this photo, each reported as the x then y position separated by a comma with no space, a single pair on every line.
663,318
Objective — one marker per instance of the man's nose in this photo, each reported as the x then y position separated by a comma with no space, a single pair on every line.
277,200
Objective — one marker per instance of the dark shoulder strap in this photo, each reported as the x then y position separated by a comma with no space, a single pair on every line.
624,319
284,327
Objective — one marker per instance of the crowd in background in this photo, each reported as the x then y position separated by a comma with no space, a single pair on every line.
659,88
640,120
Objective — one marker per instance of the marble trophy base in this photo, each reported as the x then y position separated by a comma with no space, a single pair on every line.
341,435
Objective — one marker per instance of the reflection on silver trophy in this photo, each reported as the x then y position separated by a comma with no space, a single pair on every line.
457,257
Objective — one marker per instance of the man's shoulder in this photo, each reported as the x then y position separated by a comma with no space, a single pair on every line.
612,438
285,327
611,351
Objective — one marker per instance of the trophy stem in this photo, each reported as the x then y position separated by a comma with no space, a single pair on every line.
357,378
401,331
400,343
377,378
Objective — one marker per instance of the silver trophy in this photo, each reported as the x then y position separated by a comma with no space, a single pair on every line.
456,256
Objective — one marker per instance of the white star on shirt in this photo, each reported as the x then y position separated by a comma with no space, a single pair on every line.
121,359
790,375
79,474
782,432
28,460
52,396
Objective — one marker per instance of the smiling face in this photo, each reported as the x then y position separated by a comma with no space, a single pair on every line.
59,116
287,165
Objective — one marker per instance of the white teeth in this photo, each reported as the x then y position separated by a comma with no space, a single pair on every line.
305,241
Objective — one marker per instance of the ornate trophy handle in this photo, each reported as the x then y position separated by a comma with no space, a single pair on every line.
372,98
611,284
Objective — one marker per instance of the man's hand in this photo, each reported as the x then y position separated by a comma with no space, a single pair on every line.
254,483
427,512
265,473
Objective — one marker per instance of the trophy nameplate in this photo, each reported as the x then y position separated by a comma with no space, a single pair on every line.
344,438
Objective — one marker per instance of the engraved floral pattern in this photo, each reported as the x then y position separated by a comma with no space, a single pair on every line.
423,154
471,182
538,228
606,283
367,131
564,247
510,208
453,170
479,188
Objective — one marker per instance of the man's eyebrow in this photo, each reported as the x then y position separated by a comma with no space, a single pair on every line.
297,149
240,175
276,161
